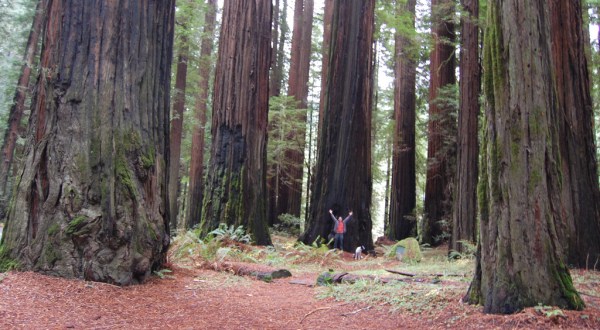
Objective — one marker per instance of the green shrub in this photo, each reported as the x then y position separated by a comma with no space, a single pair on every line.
235,234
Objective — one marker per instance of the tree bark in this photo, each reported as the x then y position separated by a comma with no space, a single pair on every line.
236,191
91,199
18,107
464,220
196,189
441,149
520,259
343,179
580,231
402,219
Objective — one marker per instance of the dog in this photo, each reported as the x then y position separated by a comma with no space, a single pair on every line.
358,252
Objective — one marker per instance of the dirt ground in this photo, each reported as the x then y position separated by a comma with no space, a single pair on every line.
194,298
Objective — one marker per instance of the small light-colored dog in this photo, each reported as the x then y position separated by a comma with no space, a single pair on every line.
358,252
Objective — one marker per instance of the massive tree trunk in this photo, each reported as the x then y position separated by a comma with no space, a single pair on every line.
580,231
236,191
343,179
177,131
464,219
18,107
441,128
196,187
91,199
402,220
291,192
520,259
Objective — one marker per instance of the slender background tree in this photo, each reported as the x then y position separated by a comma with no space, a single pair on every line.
196,188
441,149
464,219
402,220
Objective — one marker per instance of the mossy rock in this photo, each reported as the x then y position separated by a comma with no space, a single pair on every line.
412,251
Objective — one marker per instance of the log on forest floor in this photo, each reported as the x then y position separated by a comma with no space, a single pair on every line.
260,272
330,278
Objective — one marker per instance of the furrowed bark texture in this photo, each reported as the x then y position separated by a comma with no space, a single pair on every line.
91,200
402,220
441,127
464,220
520,258
343,179
580,230
196,185
236,191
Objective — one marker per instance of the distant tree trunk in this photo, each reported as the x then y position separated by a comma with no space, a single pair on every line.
236,191
275,83
291,194
197,162
464,220
580,233
520,258
18,107
403,200
343,179
177,131
91,198
441,128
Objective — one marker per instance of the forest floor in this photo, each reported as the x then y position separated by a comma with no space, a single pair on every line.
190,294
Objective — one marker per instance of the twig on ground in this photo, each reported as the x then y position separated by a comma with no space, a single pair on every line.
357,311
399,272
313,311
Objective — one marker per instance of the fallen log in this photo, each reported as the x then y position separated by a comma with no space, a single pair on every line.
328,278
260,272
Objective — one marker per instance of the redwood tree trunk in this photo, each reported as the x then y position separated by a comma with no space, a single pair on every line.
91,199
16,111
441,128
580,231
236,191
176,131
402,220
464,220
343,179
520,259
291,195
196,187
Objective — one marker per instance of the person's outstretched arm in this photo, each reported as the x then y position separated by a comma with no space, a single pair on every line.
348,218
332,216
